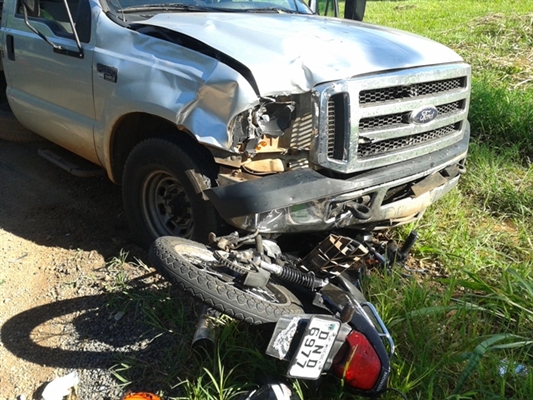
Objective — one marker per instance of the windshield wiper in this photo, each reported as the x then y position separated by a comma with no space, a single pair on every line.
270,9
163,7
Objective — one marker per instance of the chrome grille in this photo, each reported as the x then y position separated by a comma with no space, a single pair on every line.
331,128
382,121
379,130
410,91
450,108
387,146
389,121
338,127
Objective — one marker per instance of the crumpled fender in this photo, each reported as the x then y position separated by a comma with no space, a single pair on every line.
193,90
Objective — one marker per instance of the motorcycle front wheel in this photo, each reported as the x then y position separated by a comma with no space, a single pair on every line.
193,267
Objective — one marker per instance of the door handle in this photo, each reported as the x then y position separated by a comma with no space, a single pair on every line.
11,47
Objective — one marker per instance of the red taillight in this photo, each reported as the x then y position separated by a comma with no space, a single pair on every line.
359,365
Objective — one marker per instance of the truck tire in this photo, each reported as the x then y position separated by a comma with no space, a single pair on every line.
185,263
162,192
12,131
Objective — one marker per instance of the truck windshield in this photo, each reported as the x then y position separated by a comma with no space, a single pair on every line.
157,6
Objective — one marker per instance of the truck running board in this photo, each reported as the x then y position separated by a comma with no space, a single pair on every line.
71,163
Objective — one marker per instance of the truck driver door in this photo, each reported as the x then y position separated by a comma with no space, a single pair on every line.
49,79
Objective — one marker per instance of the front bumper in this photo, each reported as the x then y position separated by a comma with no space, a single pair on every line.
305,200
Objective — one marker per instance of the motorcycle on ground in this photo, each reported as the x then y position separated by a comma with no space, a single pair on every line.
321,320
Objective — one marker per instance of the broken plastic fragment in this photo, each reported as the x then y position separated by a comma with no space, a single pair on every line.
61,387
272,391
141,396
284,339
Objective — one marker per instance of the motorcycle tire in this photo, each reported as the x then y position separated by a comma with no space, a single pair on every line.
183,262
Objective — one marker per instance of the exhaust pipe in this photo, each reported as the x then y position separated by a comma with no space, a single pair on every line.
205,334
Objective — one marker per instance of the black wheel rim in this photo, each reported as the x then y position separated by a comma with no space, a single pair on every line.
166,207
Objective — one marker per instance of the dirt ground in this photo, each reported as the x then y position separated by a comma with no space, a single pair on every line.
55,229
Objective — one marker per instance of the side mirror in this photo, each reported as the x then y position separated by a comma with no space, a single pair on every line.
354,9
32,7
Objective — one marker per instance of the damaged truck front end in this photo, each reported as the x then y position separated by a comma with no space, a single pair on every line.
326,124
273,118
367,152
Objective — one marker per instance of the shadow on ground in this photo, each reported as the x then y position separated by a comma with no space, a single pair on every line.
46,205
111,333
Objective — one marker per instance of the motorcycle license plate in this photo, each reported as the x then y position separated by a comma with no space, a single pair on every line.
314,348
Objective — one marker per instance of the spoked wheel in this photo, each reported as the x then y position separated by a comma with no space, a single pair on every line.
194,268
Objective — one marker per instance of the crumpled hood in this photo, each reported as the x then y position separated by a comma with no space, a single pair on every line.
292,53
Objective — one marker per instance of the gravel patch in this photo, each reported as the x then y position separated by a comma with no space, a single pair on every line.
70,299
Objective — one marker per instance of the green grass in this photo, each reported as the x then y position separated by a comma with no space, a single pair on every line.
462,328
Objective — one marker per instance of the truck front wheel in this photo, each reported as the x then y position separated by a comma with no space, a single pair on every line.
162,189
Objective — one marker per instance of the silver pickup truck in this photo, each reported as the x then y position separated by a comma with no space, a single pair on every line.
258,114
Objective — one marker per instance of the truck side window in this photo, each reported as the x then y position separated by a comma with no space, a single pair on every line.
55,16
83,21
56,12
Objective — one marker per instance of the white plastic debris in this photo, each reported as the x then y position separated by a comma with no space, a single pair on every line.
272,391
514,368
60,387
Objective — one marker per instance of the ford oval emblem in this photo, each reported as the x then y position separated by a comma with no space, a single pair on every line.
423,115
